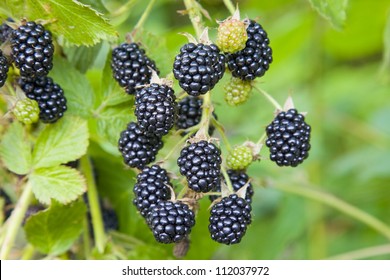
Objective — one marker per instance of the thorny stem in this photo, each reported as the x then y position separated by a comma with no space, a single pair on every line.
144,15
269,98
15,221
227,180
195,16
93,199
229,5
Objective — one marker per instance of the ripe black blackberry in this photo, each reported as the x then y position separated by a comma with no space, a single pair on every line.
288,138
155,108
190,113
137,148
229,219
5,32
131,66
32,50
110,219
254,60
238,179
198,68
200,162
49,95
3,69
170,221
151,188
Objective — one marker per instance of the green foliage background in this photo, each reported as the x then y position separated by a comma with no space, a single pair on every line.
335,66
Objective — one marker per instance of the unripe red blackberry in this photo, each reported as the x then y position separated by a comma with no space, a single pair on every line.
3,69
131,67
26,111
229,219
137,148
32,50
254,60
200,162
170,221
231,36
49,95
198,68
155,108
288,138
239,158
237,91
151,188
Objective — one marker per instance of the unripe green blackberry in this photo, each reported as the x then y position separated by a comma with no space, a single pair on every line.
231,36
26,111
239,158
237,91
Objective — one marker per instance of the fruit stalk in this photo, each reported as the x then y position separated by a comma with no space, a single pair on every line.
229,5
195,16
145,14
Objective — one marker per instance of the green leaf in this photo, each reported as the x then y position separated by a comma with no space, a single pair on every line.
79,24
332,10
78,91
15,149
64,141
54,230
386,52
62,183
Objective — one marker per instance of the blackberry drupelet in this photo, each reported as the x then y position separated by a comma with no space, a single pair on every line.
32,50
137,148
49,95
288,138
151,188
26,111
5,32
131,66
198,68
254,60
200,162
3,69
170,221
190,113
238,180
229,219
155,108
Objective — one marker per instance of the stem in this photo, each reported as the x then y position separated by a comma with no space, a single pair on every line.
221,131
144,15
227,180
262,138
15,221
340,205
86,240
93,199
181,142
269,98
28,252
195,16
229,5
363,253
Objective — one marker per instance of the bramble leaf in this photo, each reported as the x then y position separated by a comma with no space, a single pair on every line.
332,10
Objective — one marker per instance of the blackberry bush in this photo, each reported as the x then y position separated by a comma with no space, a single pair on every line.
288,138
155,108
3,69
200,163
49,95
131,67
32,50
198,68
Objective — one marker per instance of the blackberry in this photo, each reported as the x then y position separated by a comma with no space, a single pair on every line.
231,36
155,108
229,219
237,91
190,113
5,32
200,162
198,68
32,50
254,60
238,180
8,205
3,69
131,66
26,111
151,188
137,148
239,158
170,221
288,138
110,219
49,95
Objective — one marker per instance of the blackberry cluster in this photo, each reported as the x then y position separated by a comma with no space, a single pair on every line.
151,188
155,109
200,162
131,66
238,180
198,68
137,148
32,50
288,138
5,32
3,69
254,60
49,95
190,113
170,221
229,219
